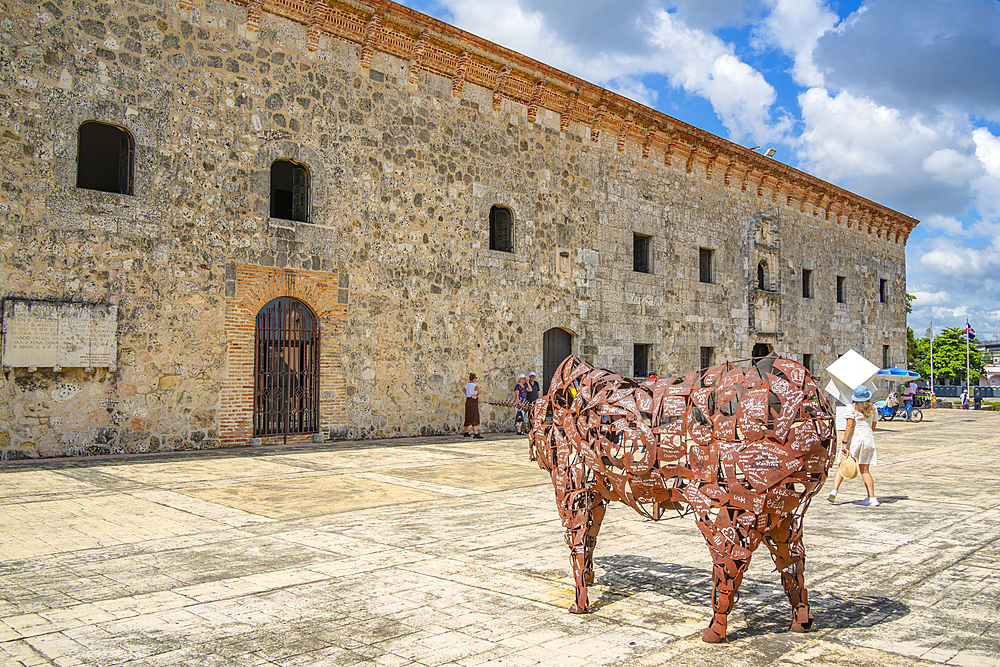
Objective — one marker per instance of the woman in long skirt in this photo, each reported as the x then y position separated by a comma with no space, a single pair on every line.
471,391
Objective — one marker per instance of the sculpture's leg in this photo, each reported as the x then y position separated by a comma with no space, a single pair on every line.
725,588
785,544
596,517
727,575
576,517
577,538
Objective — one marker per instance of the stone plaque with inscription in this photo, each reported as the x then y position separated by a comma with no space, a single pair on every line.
46,334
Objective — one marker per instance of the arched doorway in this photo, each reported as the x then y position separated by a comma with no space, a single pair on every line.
557,344
760,350
286,369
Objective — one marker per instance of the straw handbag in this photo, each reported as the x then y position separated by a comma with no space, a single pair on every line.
848,467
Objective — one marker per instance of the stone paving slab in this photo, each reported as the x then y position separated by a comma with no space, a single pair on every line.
448,551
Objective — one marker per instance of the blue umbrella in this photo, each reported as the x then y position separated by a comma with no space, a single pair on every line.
897,374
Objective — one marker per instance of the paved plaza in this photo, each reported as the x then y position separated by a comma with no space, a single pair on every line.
448,551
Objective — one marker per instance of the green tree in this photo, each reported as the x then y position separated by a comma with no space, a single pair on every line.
949,356
912,350
922,359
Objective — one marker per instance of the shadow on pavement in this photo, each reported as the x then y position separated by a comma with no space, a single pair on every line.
762,603
882,500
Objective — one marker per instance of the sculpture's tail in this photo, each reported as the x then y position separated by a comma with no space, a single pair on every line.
513,403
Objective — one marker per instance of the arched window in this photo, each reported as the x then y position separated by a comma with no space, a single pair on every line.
286,369
104,158
762,277
290,191
501,229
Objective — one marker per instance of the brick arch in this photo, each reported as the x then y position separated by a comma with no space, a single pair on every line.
255,287
320,296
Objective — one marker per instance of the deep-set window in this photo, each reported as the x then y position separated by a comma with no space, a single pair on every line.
640,360
883,290
807,361
841,289
642,260
289,191
104,158
706,356
501,229
762,275
807,292
886,358
705,265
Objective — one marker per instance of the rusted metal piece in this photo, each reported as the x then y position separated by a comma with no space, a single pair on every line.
741,446
513,403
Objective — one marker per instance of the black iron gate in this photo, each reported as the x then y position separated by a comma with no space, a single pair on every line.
286,369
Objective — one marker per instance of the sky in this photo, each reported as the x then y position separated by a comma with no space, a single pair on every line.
895,100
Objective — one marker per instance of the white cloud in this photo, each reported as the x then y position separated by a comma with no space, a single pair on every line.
947,224
795,26
924,299
949,166
951,259
703,64
848,136
987,187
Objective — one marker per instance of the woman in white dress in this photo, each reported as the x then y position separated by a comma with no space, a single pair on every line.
861,419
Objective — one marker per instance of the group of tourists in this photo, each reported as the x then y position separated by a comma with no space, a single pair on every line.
526,390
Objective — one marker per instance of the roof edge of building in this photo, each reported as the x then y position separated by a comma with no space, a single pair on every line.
431,45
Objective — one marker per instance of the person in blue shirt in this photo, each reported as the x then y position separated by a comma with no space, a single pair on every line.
520,394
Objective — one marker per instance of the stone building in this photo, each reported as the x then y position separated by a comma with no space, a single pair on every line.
293,219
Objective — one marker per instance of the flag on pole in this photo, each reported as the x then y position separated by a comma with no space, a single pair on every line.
930,331
970,333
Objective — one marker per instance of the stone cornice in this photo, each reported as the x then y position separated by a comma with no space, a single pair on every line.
434,46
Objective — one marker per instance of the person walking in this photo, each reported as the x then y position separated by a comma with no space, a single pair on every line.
520,394
965,399
859,442
471,391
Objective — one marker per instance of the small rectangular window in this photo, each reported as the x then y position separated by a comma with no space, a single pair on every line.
706,356
807,361
640,360
841,291
807,292
886,358
641,255
501,229
883,290
705,265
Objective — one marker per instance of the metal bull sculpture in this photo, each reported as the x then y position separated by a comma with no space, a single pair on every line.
744,449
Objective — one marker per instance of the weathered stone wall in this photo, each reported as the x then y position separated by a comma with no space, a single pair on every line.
403,175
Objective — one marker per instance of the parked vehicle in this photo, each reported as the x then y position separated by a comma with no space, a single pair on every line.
885,412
